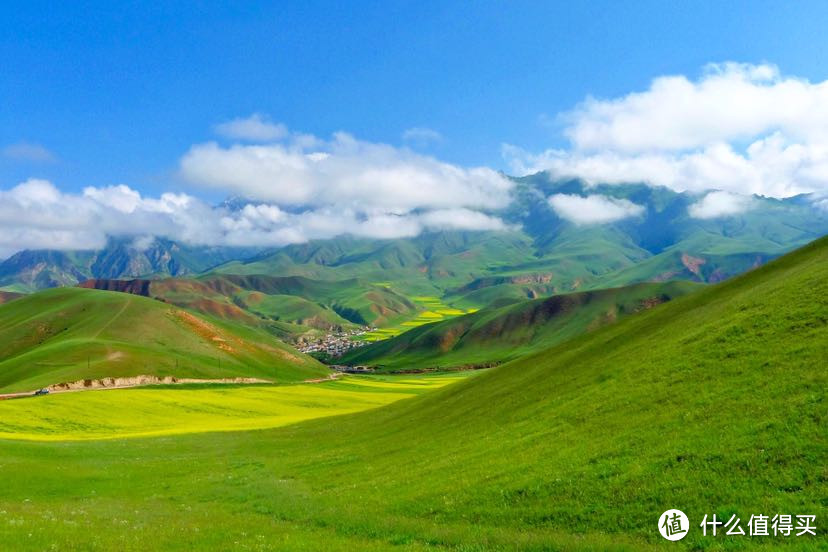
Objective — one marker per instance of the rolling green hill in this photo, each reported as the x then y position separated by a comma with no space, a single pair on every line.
508,332
260,300
714,403
70,334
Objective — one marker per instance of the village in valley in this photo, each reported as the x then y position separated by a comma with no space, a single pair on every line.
334,344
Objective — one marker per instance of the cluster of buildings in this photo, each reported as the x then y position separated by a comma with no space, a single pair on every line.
333,344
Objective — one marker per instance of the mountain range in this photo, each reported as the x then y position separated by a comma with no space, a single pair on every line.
544,251
30,270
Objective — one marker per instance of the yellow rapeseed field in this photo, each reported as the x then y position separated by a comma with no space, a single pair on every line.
148,411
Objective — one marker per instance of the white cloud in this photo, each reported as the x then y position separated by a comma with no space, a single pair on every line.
255,128
422,136
24,151
142,243
460,219
729,102
740,128
720,204
593,209
343,173
302,188
36,215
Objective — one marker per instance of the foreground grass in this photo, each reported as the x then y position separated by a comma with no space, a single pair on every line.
173,410
712,403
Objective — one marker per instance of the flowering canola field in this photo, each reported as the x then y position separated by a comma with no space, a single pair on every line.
170,410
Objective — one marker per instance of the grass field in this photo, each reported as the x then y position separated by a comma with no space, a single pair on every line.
171,410
712,403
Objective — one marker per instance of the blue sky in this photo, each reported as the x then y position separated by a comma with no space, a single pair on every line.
118,92
388,118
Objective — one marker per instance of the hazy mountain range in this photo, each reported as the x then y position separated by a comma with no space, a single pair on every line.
561,236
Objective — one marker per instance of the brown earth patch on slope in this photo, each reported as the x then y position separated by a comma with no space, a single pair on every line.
254,298
219,309
693,264
205,330
135,287
6,296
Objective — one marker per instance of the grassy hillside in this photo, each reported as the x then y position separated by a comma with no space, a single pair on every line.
69,334
504,333
259,300
712,403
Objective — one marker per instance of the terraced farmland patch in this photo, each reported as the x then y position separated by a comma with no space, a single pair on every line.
435,311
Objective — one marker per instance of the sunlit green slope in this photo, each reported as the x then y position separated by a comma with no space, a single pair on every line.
69,334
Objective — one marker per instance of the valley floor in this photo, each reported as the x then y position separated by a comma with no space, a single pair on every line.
194,408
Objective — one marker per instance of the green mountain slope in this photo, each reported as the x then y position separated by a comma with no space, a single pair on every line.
69,334
423,265
714,403
504,333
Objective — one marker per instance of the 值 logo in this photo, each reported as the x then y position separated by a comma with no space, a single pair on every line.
673,525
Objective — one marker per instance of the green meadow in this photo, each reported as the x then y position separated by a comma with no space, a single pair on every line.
714,403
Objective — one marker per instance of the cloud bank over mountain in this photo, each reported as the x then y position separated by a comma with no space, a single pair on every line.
720,204
343,172
740,128
593,209
37,215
